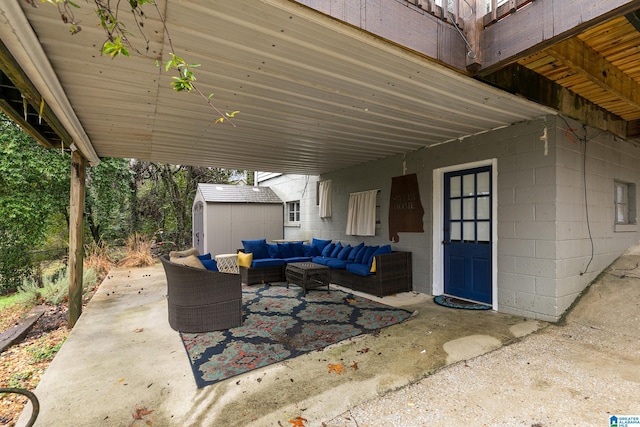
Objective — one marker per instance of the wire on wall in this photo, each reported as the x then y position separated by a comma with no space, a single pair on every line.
570,133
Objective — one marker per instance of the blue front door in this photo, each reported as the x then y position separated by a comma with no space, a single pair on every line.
467,234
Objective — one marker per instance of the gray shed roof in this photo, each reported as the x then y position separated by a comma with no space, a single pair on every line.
222,193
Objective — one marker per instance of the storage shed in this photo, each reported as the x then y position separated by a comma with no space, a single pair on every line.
224,215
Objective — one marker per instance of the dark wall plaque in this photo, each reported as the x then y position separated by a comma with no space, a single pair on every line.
405,208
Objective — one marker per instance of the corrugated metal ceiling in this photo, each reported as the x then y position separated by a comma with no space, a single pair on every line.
314,94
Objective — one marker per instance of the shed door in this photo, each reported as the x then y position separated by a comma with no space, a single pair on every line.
198,226
467,234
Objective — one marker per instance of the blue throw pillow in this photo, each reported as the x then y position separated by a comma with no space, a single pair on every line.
344,253
274,250
285,250
368,255
210,264
310,250
327,250
354,252
204,257
386,249
320,244
336,250
256,247
296,248
361,254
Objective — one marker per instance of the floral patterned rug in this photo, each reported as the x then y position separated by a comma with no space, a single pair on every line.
281,323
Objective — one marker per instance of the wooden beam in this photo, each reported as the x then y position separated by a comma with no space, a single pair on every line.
76,248
18,118
541,24
522,81
582,59
633,129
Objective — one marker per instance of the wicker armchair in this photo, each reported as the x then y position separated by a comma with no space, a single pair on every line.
202,300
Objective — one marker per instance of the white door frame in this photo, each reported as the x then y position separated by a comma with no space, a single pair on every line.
438,221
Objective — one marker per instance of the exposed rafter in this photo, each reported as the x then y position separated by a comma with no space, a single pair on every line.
582,59
23,103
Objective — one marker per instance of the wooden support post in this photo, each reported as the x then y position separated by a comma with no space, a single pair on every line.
76,249
473,27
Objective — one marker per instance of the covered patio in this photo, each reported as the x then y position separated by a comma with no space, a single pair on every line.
123,360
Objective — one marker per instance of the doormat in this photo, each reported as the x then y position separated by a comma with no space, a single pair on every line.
452,302
279,324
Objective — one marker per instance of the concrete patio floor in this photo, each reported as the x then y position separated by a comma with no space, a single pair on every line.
122,364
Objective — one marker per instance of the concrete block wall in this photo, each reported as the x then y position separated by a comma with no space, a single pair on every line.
543,239
581,258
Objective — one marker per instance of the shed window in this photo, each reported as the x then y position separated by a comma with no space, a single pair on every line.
293,211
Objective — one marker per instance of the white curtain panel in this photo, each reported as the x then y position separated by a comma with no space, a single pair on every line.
325,199
361,218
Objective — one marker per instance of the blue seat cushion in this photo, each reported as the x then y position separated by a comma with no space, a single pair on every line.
285,250
274,250
359,269
204,257
354,251
296,248
210,264
336,263
321,260
320,244
267,262
297,259
257,247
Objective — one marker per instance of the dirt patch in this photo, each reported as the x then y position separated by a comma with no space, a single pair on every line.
22,365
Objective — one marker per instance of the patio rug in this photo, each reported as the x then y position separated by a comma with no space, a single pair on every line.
452,302
281,323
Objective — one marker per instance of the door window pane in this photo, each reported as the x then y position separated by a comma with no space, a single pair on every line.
483,183
468,233
455,231
468,185
484,234
454,188
455,208
484,208
468,211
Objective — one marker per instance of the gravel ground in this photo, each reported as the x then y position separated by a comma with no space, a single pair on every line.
512,386
575,374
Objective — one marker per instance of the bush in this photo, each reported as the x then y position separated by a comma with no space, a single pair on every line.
15,262
55,288
138,252
97,258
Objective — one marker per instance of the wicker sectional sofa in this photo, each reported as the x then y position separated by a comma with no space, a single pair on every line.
392,269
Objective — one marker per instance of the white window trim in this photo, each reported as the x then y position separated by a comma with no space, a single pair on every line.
288,222
631,225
